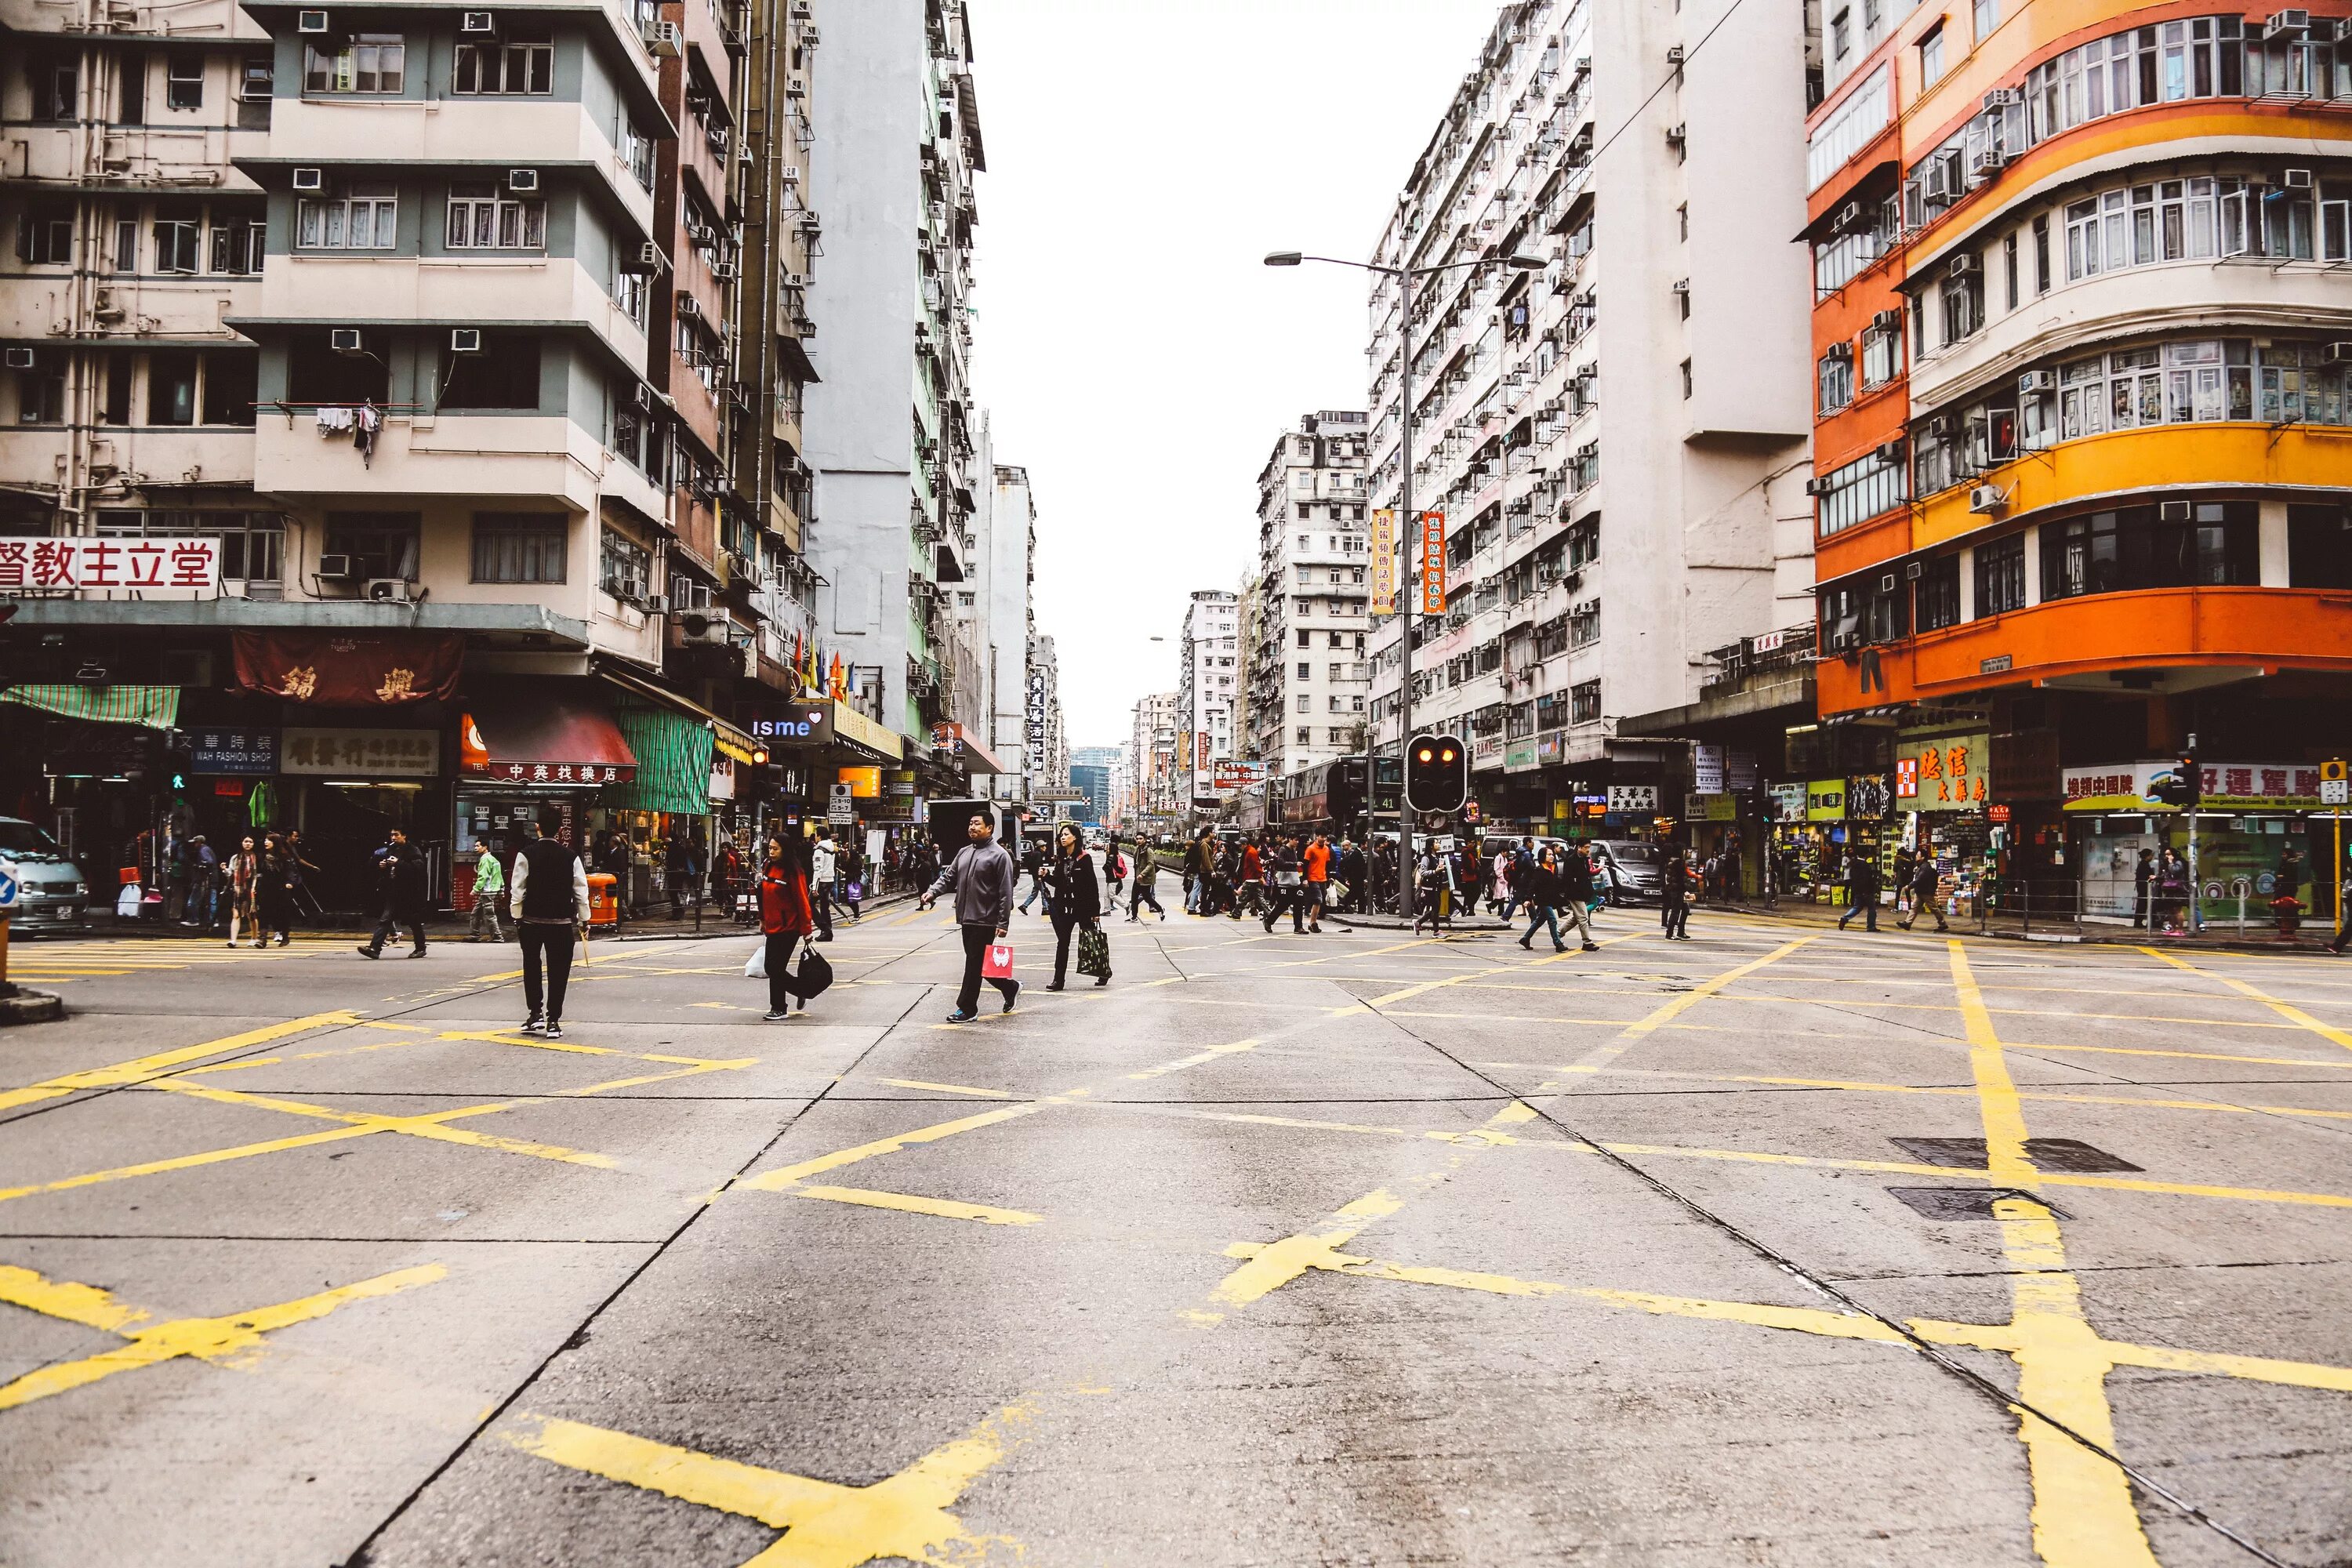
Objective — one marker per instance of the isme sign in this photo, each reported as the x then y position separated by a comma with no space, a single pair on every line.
806,726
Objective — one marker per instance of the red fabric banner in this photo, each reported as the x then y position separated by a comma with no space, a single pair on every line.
351,669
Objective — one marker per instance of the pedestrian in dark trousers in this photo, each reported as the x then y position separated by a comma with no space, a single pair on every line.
1114,873
2343,892
1286,887
821,857
1676,891
1144,891
981,876
400,881
1574,885
2143,878
1926,882
1861,889
786,915
305,902
1076,899
1032,860
1906,869
1433,882
549,896
1534,886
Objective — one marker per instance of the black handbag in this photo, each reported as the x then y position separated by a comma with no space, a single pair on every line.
815,976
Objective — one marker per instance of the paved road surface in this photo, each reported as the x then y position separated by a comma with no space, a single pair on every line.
1337,1249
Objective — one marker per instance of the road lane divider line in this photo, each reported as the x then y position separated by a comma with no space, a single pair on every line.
142,1068
2287,1010
234,1340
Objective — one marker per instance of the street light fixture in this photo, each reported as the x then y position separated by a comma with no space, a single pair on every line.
1406,521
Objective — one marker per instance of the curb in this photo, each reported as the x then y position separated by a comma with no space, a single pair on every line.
31,1006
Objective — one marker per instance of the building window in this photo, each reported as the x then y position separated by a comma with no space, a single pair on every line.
1987,17
2000,577
1686,378
514,66
2176,544
56,90
366,219
1305,703
1841,35
1584,703
1936,602
1303,638
1306,733
45,234
1859,491
1931,55
1881,356
519,547
1833,377
175,245
183,82
1305,669
2009,267
1963,294
239,244
624,567
2041,253
505,374
231,383
2318,546
370,62
482,218
377,543
172,387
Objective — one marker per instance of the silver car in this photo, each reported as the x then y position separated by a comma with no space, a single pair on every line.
1633,869
52,894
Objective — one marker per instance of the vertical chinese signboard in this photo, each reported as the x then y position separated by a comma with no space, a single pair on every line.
1384,561
1432,563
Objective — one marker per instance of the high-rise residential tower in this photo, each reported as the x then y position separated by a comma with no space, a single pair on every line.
1304,655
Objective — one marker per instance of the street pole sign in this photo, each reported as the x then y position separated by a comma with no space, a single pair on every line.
11,886
2336,789
840,805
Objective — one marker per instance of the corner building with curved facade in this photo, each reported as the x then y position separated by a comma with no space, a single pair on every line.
2083,323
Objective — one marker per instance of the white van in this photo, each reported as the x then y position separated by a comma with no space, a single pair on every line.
52,894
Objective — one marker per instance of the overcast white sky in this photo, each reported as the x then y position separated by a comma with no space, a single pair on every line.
1135,355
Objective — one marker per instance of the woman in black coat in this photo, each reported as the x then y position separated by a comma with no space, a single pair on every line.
1077,898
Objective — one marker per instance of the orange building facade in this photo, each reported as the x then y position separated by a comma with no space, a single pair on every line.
2083,455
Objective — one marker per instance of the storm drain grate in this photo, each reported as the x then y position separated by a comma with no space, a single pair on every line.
2047,1154
1967,1203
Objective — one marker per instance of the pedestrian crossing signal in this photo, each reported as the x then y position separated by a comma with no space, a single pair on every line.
1437,773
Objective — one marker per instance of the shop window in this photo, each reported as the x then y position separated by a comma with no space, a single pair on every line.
2319,546
378,543
2000,577
505,374
519,547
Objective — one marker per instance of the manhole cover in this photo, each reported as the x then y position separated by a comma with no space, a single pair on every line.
1965,1203
2047,1154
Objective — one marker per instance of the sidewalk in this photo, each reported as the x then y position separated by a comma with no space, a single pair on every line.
2216,936
447,926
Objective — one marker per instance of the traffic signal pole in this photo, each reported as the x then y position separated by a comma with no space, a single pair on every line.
1408,521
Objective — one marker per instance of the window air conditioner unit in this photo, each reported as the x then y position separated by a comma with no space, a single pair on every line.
1817,487
1678,135
1842,353
1963,264
689,307
665,40
723,270
2002,97
476,24
2284,22
795,87
387,590
1890,452
804,9
311,22
20,359
1887,321
1940,425
2298,179
2339,352
465,340
345,341
334,569
790,174
522,179
1987,498
2034,381
1849,217
2172,511
1913,571
1887,582
309,179
1675,55
649,258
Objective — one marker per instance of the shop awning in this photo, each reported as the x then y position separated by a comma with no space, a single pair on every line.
552,731
973,757
154,707
673,754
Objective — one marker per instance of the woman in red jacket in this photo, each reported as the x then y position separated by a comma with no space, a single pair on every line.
785,916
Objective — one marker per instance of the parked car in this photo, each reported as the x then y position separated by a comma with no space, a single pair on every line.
53,895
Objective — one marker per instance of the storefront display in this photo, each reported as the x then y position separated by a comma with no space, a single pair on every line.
2253,840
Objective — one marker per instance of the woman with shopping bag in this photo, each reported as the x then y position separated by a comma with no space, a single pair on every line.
786,917
1076,906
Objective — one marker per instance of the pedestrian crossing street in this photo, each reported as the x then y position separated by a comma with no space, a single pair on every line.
61,962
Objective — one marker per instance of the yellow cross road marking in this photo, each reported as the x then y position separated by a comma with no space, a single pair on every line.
2287,1010
947,1087
144,1069
214,1339
908,1203
825,1525
1377,1269
790,1176
1602,1055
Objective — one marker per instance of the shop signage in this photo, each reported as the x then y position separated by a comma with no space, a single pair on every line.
810,725
2025,766
187,567
1486,750
1710,807
374,754
1432,563
1996,811
2238,786
1787,802
350,670
864,784
1770,642
1825,800
1868,798
1519,756
1740,773
229,789
1384,561
1706,771
250,752
839,806
1233,772
722,777
1551,746
1996,665
1947,773
1632,799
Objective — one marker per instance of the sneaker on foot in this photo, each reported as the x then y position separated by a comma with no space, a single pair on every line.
773,1014
534,1024
1592,947
554,1031
367,952
1012,995
960,1016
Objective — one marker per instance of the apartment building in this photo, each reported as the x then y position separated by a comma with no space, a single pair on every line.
1607,441
996,604
892,427
1207,689
1151,761
2082,345
372,400
1304,627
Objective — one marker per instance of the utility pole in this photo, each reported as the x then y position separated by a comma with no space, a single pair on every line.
1408,525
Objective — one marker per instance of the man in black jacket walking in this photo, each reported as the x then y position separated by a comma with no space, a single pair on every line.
550,911
1861,889
400,879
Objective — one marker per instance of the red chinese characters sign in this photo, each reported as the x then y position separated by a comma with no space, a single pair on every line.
362,669
1432,563
184,567
1947,773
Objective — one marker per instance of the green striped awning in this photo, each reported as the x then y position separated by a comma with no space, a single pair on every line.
673,762
155,706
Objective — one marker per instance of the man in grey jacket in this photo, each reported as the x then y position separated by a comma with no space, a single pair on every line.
982,875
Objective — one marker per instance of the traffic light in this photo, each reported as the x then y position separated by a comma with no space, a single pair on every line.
2180,784
1437,772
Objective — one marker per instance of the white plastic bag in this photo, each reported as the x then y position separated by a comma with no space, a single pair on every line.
756,966
126,908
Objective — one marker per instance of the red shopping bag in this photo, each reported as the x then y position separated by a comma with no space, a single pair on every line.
998,965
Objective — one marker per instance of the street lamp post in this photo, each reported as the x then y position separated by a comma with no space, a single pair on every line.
1406,518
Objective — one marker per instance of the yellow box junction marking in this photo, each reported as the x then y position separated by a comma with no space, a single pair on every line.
2287,1010
228,1340
142,1069
1641,1028
824,1525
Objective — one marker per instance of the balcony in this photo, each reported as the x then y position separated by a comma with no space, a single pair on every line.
505,457
463,132
401,290
2151,640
